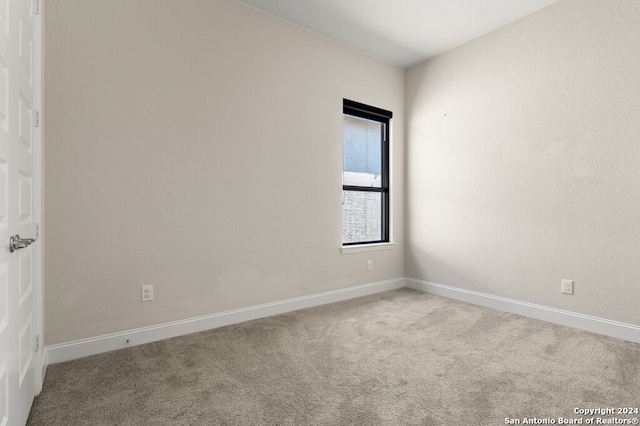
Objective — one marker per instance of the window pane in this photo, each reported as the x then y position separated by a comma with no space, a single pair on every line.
362,147
361,216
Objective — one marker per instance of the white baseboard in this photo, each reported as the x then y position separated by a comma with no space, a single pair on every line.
95,345
597,325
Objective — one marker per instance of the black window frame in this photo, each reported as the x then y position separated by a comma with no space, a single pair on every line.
384,117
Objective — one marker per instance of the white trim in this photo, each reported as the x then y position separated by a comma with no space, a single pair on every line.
619,330
44,360
80,348
40,356
361,248
95,345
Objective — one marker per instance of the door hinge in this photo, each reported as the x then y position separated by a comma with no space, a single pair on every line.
37,231
37,342
36,7
36,118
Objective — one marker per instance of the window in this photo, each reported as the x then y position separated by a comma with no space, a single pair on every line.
365,174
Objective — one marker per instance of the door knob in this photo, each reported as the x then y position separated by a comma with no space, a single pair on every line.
17,243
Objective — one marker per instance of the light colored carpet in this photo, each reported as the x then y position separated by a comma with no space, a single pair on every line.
397,358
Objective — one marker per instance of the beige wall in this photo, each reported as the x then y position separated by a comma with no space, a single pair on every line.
196,146
523,161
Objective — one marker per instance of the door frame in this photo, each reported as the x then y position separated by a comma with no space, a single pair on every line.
40,356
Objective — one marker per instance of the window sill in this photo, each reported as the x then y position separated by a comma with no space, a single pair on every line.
366,247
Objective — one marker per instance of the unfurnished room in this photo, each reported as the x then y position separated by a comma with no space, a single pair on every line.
319,212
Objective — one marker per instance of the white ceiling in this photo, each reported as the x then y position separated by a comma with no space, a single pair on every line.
401,32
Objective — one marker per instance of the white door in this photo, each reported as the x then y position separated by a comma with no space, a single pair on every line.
19,206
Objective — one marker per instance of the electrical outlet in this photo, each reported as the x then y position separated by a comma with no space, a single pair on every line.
147,293
566,286
369,265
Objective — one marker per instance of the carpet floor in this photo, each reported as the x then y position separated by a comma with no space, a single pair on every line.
396,358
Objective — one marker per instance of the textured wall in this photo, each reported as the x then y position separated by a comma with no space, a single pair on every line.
197,146
523,161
